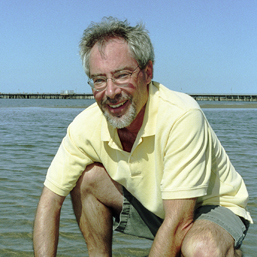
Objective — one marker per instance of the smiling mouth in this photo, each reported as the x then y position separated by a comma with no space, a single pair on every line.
114,106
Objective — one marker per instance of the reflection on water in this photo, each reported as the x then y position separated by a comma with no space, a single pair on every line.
30,137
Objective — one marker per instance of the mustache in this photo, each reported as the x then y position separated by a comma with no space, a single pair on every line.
117,99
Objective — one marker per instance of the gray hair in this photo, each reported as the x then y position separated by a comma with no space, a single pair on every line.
137,38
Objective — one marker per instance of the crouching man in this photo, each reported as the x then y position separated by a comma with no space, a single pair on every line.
142,160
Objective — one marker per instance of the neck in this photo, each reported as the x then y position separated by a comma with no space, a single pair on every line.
128,135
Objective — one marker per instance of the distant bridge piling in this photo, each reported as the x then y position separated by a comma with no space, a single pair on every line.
198,97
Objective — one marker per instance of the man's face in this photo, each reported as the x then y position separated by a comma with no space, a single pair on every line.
120,105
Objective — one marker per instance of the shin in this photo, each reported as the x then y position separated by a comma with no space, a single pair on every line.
96,198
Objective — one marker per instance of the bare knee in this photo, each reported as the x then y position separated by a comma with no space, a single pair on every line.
96,181
90,179
200,246
208,241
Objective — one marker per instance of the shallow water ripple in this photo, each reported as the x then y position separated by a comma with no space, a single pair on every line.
30,137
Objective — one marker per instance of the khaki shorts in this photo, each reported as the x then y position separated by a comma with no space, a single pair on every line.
136,220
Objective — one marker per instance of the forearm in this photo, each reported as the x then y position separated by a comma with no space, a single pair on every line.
45,236
46,228
177,222
166,243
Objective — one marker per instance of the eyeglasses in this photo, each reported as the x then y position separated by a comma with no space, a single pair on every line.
119,78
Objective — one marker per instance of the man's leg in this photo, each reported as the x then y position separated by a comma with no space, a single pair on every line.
206,238
96,198
216,231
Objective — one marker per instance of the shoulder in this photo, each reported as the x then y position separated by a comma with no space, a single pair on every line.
174,99
174,106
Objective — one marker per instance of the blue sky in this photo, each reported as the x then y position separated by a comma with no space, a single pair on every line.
201,46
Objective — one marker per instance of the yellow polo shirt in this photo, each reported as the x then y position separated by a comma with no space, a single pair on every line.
176,155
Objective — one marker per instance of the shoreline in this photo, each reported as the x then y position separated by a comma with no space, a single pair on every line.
72,103
229,106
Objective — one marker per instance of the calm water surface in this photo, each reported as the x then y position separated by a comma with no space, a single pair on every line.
30,133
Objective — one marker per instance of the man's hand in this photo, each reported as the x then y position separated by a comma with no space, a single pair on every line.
46,226
178,220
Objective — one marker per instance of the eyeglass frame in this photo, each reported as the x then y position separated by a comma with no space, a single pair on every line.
113,80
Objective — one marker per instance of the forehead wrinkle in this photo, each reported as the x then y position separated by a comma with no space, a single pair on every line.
101,46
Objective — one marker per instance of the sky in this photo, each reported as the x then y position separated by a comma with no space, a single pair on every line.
201,46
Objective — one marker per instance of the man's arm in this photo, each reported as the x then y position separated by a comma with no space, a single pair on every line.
46,226
177,222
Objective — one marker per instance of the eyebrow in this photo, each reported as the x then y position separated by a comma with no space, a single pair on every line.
113,72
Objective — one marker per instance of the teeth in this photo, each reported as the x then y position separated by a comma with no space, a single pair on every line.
117,105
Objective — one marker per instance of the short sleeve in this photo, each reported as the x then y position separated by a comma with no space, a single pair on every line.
67,166
186,158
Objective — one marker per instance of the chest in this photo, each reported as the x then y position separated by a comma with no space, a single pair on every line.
127,140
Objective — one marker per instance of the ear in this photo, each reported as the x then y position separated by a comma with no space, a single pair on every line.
149,71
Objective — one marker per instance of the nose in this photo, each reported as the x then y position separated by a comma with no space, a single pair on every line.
111,89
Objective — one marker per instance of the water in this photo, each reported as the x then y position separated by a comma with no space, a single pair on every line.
31,131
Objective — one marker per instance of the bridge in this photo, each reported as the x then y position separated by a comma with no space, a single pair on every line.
198,97
46,96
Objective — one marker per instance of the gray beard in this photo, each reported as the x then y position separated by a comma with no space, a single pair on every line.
124,121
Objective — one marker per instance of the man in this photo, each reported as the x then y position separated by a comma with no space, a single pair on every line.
142,160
